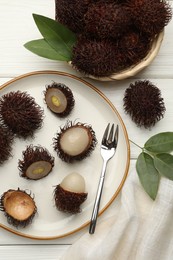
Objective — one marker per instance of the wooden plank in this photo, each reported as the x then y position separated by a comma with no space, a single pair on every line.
28,252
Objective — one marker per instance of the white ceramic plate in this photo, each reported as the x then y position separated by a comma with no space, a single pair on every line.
91,107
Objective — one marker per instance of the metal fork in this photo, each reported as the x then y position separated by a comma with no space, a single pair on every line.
108,148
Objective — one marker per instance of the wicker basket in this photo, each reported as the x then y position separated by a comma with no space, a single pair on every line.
127,73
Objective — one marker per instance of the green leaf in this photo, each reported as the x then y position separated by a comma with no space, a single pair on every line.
148,175
164,164
43,49
160,143
60,38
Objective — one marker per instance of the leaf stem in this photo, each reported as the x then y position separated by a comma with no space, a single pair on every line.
136,144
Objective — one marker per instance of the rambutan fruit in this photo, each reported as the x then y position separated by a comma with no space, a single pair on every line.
6,140
70,193
20,112
74,142
135,46
105,20
151,16
97,57
143,102
71,13
59,99
36,163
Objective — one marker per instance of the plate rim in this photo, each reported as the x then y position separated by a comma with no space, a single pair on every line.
99,92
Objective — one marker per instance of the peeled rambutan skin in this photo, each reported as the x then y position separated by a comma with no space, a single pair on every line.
67,201
71,13
97,57
20,112
105,20
19,207
151,16
143,102
6,140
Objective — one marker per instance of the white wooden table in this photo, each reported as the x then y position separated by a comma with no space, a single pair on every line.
16,28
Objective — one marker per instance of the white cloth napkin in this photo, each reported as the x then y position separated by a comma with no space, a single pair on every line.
138,229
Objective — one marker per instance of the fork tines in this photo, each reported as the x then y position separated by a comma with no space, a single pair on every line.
110,137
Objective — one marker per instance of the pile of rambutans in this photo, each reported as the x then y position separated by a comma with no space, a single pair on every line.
112,35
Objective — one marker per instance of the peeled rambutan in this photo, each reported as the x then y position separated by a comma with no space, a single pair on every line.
75,141
135,46
71,13
151,16
70,193
20,112
97,57
143,102
106,20
6,140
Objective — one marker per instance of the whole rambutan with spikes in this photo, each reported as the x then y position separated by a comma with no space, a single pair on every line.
150,16
97,57
20,112
143,102
135,45
6,140
71,13
133,26
105,20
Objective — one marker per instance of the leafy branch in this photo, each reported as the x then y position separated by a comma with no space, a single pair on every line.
155,161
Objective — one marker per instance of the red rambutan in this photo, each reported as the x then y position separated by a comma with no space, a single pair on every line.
20,112
143,102
105,20
135,46
97,57
6,140
71,13
151,16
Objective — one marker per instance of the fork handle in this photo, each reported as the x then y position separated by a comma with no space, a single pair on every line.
97,200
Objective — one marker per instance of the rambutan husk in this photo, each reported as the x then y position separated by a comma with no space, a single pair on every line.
15,204
67,201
